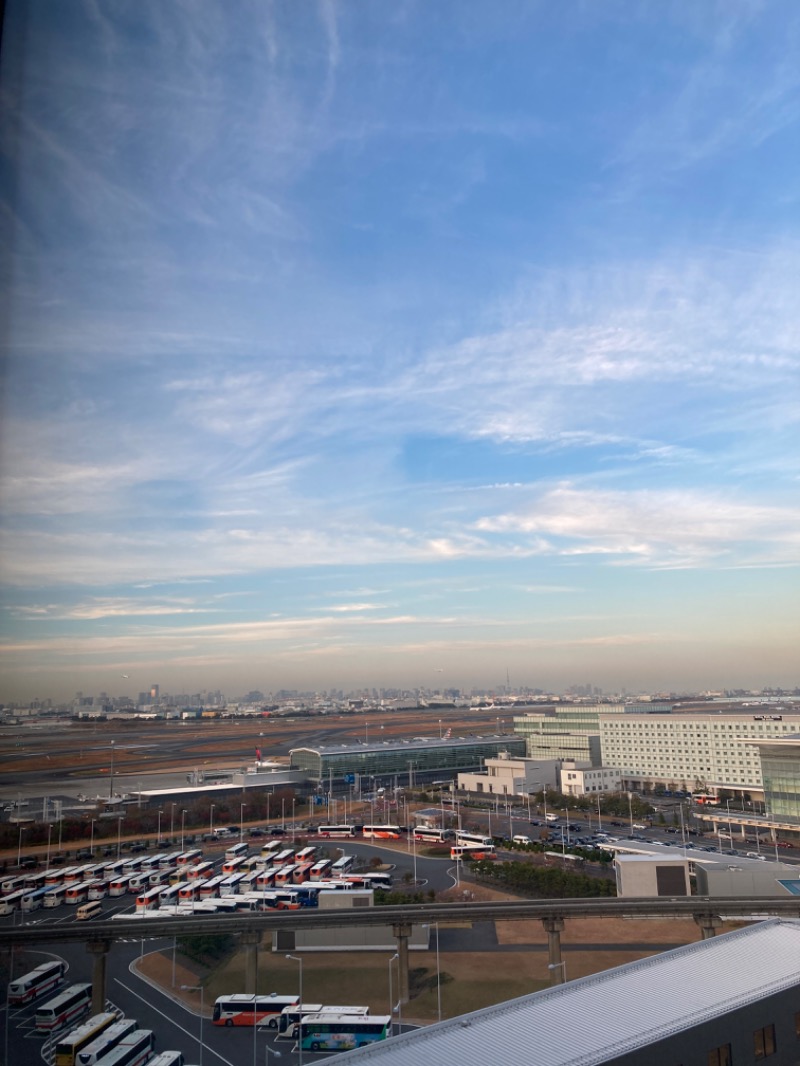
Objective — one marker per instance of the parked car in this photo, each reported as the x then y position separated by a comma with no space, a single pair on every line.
276,831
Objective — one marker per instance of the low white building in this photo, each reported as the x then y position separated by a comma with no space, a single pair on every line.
507,775
581,778
642,876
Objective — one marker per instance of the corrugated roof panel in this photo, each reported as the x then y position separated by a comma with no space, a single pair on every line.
588,1021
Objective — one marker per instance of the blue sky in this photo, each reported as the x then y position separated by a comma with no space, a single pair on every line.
396,344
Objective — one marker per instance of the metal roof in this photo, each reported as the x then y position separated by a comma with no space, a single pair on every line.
580,1023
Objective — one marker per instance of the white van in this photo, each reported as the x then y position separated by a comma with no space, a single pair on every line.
521,839
551,817
755,855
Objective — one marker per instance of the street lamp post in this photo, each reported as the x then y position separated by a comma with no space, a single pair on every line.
211,821
183,826
391,994
201,990
120,820
630,809
299,961
111,775
294,801
19,845
159,828
241,820
91,838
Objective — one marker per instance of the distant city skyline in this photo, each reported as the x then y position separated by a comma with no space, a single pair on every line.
391,345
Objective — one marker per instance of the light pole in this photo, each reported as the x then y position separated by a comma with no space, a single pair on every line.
91,838
283,812
200,989
172,825
211,821
19,846
241,820
111,775
159,828
299,961
630,809
294,801
120,820
49,831
183,826
391,994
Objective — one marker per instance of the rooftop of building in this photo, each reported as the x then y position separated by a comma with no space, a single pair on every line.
581,1024
362,747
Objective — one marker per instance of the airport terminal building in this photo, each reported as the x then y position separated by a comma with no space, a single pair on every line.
416,762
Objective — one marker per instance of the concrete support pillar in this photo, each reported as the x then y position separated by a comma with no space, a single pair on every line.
249,943
554,927
98,948
710,924
402,931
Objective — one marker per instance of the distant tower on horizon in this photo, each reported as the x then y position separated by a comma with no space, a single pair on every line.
154,693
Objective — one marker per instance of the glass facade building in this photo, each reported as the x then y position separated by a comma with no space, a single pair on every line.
417,760
780,771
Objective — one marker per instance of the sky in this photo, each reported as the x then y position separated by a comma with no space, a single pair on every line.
415,344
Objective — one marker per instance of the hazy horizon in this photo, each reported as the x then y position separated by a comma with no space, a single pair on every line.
384,345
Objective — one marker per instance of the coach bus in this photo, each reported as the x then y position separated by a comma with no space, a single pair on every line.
381,832
237,851
472,852
320,870
189,858
89,910
342,1032
432,836
212,886
98,890
342,866
135,1049
55,896
472,838
68,1046
149,899
32,901
168,861
289,1021
306,854
201,871
64,1008
168,1058
77,893
241,1009
38,982
119,885
336,831
106,1042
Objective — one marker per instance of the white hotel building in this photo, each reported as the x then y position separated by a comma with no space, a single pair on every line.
691,750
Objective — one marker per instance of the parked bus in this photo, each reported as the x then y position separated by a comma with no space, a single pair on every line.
89,910
290,1016
11,884
241,1009
212,887
66,1007
282,857
104,1043
201,871
342,866
265,878
234,865
119,885
229,885
320,870
32,901
72,874
342,1032
382,832
432,836
77,893
168,861
170,894
45,978
55,896
306,854
158,877
189,891
189,858
67,1048
132,866
472,852
34,881
237,851
149,899
302,872
285,875
98,890
248,883
472,838
369,880
54,876
135,1049
268,850
336,831
150,862
168,1058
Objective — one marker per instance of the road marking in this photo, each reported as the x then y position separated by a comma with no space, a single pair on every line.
192,1036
